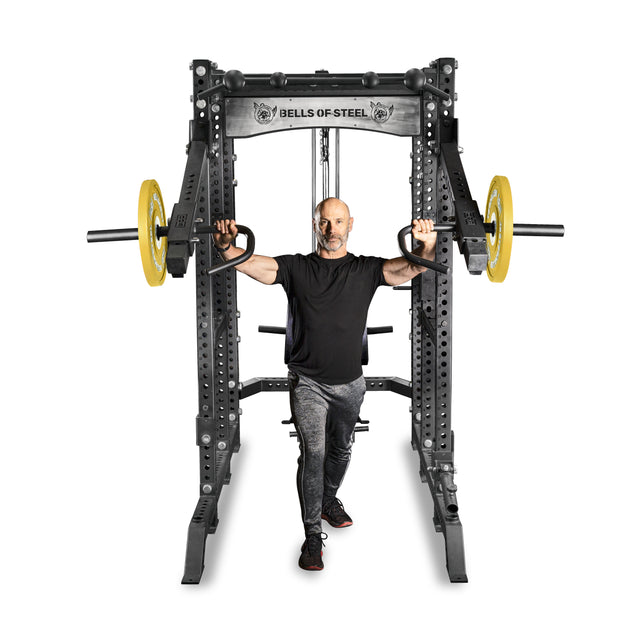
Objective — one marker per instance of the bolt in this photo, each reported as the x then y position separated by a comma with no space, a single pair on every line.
444,323
234,157
447,69
239,412
418,416
456,63
235,182
455,97
207,488
240,389
460,150
431,106
447,103
199,220
232,384
237,314
238,339
222,446
201,104
203,325
205,407
232,417
427,445
205,438
445,467
215,108
200,71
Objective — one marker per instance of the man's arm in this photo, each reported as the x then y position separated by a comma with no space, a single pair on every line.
260,268
399,270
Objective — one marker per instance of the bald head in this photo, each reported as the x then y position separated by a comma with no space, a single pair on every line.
331,205
332,223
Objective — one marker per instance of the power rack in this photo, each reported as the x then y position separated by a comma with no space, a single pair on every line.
418,104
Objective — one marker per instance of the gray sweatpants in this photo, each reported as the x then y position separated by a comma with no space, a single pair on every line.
325,418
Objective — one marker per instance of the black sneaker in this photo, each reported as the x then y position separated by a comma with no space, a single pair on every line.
311,558
333,512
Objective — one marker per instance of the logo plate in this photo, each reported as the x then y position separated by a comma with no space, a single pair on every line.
254,116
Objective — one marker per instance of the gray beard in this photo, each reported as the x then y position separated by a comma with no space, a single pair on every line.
324,243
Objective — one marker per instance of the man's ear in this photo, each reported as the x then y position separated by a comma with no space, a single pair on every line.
350,224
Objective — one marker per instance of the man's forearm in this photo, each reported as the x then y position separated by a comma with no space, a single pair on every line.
230,253
260,268
421,251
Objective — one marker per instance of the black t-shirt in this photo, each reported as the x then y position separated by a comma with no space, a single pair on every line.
328,302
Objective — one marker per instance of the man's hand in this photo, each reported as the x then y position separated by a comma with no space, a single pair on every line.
399,270
226,234
423,232
260,268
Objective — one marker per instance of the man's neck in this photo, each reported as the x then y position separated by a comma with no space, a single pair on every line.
332,255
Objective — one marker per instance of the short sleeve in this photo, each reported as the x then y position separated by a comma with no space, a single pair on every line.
375,266
283,276
380,276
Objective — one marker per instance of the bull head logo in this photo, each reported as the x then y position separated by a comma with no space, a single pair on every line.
263,113
380,112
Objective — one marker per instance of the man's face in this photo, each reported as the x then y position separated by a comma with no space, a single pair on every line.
332,227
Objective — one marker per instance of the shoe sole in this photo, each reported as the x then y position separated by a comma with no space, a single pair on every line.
335,524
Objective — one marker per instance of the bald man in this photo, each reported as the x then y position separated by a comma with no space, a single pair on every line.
329,294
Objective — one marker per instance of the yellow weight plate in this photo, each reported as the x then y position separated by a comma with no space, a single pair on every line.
153,250
500,211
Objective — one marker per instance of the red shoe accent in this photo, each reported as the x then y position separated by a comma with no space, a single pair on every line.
347,523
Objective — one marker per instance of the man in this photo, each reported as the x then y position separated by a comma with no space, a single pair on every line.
329,293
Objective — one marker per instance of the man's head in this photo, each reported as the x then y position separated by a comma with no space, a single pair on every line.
332,223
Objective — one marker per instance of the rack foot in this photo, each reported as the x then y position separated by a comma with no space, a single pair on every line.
203,522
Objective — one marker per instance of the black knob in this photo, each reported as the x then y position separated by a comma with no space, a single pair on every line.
370,79
415,79
234,80
278,80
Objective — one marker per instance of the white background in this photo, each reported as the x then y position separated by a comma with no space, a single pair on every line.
99,468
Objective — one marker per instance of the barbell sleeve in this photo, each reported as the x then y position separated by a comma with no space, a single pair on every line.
115,235
541,230
546,230
112,235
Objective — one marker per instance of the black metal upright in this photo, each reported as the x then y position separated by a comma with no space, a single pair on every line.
431,311
218,420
